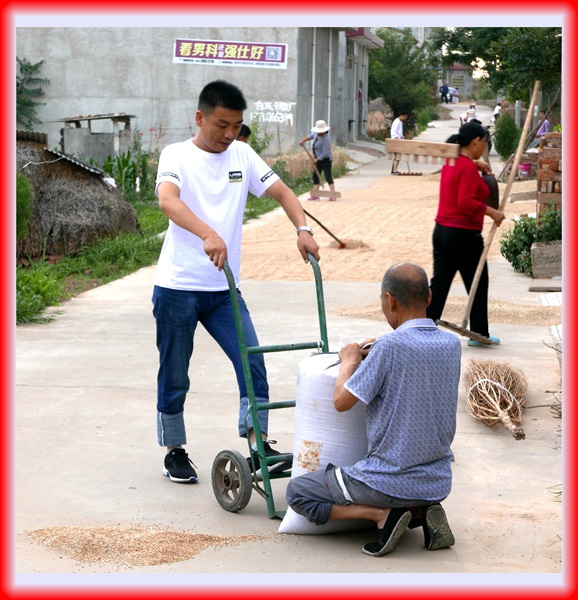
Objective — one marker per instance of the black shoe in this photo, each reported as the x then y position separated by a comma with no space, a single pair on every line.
179,467
436,529
390,534
273,468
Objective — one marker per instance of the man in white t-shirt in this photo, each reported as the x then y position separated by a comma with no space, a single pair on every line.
497,112
202,186
397,134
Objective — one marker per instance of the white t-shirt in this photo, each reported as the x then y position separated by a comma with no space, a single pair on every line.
397,129
215,187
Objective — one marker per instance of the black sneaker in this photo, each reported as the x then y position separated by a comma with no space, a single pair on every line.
179,467
436,529
390,534
275,468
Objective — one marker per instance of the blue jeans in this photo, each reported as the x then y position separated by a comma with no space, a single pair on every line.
177,313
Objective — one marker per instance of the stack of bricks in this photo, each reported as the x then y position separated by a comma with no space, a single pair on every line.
550,173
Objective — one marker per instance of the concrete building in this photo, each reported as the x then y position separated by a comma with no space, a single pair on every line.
291,77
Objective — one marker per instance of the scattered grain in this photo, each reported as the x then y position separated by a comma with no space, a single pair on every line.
133,546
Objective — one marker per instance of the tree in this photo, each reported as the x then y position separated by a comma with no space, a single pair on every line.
512,58
398,73
524,55
471,47
28,90
506,136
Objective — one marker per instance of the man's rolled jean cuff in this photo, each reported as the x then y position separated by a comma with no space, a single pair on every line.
171,429
244,411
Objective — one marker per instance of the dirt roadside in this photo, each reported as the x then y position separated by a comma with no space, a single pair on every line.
390,222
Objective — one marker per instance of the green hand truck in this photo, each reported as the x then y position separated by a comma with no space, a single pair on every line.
233,477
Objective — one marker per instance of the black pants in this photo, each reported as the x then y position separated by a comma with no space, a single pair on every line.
459,250
323,166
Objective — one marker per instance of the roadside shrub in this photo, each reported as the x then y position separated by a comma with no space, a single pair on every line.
39,279
516,244
426,115
29,307
37,287
549,226
506,136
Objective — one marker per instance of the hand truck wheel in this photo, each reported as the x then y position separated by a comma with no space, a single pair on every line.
232,480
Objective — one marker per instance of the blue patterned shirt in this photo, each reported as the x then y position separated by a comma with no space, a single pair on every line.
409,382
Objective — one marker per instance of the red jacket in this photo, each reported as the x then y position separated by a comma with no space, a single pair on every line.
463,195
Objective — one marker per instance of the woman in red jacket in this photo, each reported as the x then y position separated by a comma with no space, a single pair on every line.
457,236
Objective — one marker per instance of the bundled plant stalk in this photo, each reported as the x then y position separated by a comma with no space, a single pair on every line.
496,392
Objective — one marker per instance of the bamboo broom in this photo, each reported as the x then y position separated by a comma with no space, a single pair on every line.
496,392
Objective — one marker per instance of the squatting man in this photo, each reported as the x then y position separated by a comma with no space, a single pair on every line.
408,381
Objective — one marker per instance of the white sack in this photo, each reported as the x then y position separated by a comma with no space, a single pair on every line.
322,436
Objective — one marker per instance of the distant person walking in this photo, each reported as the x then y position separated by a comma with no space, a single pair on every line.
497,112
444,89
397,134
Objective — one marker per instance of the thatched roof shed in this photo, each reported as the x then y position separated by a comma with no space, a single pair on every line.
73,206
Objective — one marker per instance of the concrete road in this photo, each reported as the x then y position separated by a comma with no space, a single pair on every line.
86,453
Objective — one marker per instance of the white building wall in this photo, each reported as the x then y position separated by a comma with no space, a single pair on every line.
116,69
131,70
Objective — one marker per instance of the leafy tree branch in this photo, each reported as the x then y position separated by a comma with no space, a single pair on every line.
28,91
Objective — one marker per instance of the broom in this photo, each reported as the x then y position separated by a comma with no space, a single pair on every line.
341,244
463,329
320,192
496,392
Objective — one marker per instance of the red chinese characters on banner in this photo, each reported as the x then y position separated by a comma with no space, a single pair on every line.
239,54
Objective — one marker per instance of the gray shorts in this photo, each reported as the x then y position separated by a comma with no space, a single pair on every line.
311,495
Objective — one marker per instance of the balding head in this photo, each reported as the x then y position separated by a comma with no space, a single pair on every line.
408,283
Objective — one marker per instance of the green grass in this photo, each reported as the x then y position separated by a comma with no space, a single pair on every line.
43,285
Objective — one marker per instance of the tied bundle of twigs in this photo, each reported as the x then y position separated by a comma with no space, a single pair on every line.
496,392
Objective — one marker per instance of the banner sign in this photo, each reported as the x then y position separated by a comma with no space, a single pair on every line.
233,54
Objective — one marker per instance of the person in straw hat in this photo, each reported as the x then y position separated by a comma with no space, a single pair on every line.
321,146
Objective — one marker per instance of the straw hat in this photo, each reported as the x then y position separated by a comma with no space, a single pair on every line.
320,127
